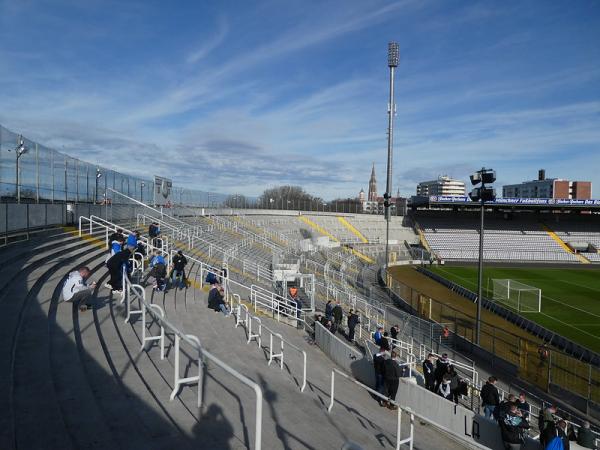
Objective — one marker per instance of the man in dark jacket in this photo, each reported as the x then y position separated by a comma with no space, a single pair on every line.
178,271
428,373
441,368
379,366
490,399
585,437
353,320
329,310
115,265
512,427
547,425
392,374
338,315
394,331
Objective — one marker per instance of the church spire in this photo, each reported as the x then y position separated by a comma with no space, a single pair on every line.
373,185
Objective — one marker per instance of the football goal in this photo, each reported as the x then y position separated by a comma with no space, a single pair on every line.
516,295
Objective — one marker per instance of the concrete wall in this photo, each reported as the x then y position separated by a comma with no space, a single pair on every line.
454,419
22,217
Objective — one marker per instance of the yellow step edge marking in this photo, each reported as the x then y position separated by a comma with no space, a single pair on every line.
318,227
86,237
422,238
353,229
564,246
322,230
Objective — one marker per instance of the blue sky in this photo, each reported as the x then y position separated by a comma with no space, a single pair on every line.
239,96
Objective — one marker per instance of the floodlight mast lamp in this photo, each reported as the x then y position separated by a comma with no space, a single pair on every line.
481,194
20,150
393,60
98,176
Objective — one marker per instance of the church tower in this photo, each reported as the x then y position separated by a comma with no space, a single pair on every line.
373,186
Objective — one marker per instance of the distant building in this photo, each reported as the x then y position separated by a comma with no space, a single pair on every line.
444,185
373,204
373,186
549,188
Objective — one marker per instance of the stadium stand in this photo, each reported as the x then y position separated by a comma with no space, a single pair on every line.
456,237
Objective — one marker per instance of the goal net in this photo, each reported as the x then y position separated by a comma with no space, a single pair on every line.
516,295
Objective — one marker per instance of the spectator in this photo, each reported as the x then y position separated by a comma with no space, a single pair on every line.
220,302
338,315
132,240
295,304
428,373
505,405
490,399
116,264
353,320
329,310
522,404
385,341
178,270
454,383
157,272
116,246
394,332
154,233
211,278
76,290
441,368
378,335
379,365
585,437
512,427
392,373
444,387
213,294
563,434
117,235
546,420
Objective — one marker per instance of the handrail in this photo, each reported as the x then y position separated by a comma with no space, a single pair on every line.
248,323
194,342
399,441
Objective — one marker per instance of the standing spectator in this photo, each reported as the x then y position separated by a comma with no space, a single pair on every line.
585,437
178,271
454,383
76,289
512,427
338,315
428,373
378,363
522,404
115,265
392,374
444,389
394,332
154,233
490,399
353,320
329,310
441,368
378,335
385,341
547,425
563,434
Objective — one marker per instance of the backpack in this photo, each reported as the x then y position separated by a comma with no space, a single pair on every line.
555,444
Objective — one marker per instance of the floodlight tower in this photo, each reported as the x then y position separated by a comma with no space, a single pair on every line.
393,59
481,194
20,150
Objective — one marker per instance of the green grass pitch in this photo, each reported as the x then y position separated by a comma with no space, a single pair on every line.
570,297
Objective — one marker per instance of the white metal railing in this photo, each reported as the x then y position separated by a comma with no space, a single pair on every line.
399,441
203,354
243,316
